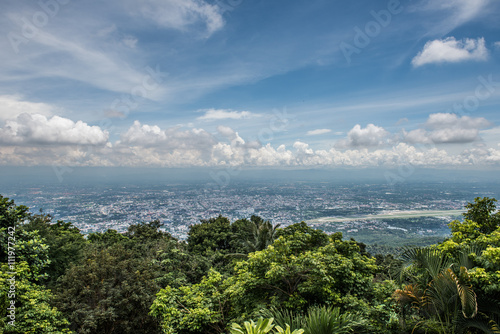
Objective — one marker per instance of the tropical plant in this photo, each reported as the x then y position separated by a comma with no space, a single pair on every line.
330,320
262,234
294,273
440,290
284,317
262,326
197,308
317,320
21,276
287,330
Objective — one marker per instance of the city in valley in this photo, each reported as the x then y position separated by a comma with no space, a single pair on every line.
374,213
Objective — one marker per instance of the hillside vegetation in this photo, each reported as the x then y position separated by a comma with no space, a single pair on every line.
246,276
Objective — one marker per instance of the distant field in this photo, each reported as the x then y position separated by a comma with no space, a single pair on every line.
389,215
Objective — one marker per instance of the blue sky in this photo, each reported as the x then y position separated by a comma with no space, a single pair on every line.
177,83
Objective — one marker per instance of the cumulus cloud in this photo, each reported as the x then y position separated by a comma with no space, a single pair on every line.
223,154
12,106
318,132
151,145
182,14
144,135
219,114
230,134
371,136
130,41
447,128
497,45
458,12
37,129
450,50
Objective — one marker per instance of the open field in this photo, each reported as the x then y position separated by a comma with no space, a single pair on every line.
389,215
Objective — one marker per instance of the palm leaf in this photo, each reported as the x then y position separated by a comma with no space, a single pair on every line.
466,293
328,320
283,317
464,255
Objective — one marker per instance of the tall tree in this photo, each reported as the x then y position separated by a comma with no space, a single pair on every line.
65,244
24,257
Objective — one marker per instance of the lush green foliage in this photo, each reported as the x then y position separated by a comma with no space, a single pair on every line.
262,326
24,258
453,287
296,272
197,308
328,320
241,277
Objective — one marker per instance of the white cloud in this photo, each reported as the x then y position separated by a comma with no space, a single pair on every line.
151,145
12,106
447,120
230,134
447,128
318,132
457,12
130,41
370,136
497,44
222,154
144,135
36,129
218,114
107,31
302,148
226,131
452,51
181,14
67,53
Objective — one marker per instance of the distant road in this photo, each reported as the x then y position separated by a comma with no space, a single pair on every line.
387,215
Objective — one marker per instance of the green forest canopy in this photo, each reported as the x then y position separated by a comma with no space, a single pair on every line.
246,276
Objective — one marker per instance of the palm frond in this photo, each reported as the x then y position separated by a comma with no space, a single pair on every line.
481,322
283,317
466,293
329,320
464,255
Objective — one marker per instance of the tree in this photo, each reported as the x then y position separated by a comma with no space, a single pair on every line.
262,234
65,244
210,236
307,237
479,220
34,313
213,239
11,218
24,258
294,272
482,211
109,292
198,308
478,236
439,289
252,235
113,287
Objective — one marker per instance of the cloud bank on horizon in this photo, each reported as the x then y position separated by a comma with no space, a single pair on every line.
237,83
